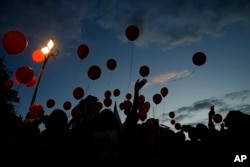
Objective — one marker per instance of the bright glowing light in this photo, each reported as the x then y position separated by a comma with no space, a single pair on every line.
45,50
50,44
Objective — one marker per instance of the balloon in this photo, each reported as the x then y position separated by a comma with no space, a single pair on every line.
32,82
75,112
107,101
142,116
14,42
157,98
8,84
67,105
116,92
24,74
36,110
107,94
217,118
98,106
132,32
171,114
50,103
83,51
146,106
144,71
111,64
199,58
15,79
127,104
128,96
164,91
38,56
94,72
78,93
172,121
177,126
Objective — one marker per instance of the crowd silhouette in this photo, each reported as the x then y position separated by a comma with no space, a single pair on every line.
101,137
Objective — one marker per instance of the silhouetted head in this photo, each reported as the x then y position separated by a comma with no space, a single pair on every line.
57,120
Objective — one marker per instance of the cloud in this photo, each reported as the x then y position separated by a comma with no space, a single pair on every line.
166,23
167,77
222,105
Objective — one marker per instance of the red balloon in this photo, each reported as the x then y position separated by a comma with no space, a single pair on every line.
171,114
144,71
67,105
132,32
94,72
36,110
127,104
31,83
8,84
116,92
177,126
83,51
98,106
50,103
157,98
164,91
38,56
78,93
107,101
14,42
107,94
172,121
217,118
142,116
111,64
128,96
75,112
199,58
24,74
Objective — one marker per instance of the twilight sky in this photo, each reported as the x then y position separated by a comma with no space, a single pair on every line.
170,33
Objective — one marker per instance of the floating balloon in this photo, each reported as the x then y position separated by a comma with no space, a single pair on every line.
177,126
217,118
98,106
50,103
83,51
94,72
172,121
75,112
107,101
24,74
127,104
14,42
38,56
144,71
107,94
111,64
164,91
8,84
36,110
128,96
32,82
116,92
171,114
199,58
132,32
142,116
67,105
78,93
157,98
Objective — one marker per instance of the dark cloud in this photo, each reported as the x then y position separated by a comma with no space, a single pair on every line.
164,22
221,104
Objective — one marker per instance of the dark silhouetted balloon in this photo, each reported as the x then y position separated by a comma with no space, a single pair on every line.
144,71
116,92
78,93
94,72
14,42
32,82
164,91
171,114
199,58
36,110
157,98
217,118
83,51
67,105
132,32
111,64
50,103
8,84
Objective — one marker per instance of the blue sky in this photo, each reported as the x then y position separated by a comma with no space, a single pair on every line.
170,33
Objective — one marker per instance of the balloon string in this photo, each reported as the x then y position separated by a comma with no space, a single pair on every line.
88,87
131,64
